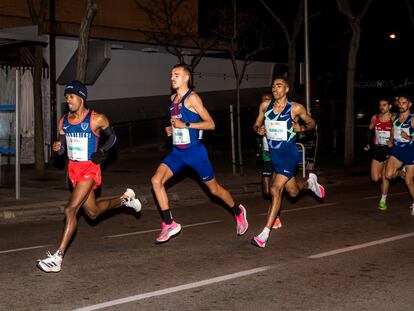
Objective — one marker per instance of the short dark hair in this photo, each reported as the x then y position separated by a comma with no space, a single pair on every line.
408,97
187,70
384,99
284,78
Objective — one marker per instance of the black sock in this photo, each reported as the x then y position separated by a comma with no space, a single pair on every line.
236,209
167,216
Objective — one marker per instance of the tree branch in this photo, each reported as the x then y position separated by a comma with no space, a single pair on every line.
410,12
278,20
345,8
364,9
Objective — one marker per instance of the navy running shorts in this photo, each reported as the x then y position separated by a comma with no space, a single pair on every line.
403,154
285,160
195,157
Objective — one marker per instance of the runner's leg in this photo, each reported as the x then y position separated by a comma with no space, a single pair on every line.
78,197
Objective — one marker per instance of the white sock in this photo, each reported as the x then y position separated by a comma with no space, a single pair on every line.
383,198
264,235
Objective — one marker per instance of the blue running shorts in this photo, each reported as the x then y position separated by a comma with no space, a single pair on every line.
285,160
405,154
195,157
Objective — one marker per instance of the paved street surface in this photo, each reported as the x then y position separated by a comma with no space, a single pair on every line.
340,254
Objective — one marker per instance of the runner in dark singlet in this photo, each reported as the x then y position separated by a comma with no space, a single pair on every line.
281,117
402,152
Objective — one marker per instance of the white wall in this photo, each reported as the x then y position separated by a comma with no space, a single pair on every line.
132,73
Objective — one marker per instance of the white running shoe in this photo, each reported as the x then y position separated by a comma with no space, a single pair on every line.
128,199
318,189
53,263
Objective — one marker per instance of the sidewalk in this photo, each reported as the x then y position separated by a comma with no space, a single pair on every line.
41,197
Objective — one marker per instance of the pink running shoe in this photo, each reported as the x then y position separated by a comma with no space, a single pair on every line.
318,189
168,231
256,241
242,224
277,224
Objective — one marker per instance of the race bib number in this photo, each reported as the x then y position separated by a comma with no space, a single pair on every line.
381,137
397,134
181,136
276,130
77,148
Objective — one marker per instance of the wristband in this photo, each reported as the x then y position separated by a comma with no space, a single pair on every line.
187,125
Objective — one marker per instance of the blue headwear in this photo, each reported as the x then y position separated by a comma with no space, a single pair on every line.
78,88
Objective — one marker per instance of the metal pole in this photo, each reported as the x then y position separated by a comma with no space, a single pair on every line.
17,147
233,151
233,147
307,71
302,147
239,132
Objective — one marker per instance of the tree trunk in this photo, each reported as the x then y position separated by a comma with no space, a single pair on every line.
83,40
350,100
38,19
239,140
38,113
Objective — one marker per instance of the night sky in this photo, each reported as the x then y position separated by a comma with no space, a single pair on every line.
379,58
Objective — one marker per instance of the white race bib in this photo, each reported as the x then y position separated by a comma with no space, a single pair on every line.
77,148
381,137
397,134
181,136
276,130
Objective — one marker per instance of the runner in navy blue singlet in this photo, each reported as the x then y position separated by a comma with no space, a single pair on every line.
189,117
402,151
279,119
79,132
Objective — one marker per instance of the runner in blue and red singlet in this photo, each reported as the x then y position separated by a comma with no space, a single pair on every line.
188,118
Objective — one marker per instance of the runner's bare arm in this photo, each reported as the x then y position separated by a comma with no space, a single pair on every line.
368,134
58,145
260,116
299,111
99,122
372,123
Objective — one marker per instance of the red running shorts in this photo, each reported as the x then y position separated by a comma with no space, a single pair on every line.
84,171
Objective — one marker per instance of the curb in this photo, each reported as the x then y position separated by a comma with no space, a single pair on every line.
147,199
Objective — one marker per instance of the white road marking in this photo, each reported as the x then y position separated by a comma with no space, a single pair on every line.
297,209
378,196
156,230
359,246
23,249
175,289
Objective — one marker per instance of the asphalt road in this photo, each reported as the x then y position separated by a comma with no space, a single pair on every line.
340,254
